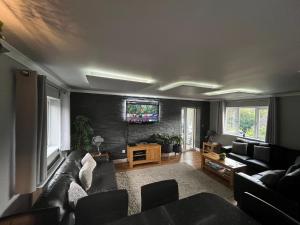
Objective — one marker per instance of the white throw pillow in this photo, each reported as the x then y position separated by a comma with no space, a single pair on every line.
87,158
75,193
86,174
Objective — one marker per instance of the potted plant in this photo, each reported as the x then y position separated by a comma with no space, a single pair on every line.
156,138
177,141
167,145
82,134
222,156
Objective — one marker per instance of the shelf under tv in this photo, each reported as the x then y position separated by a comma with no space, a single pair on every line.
143,153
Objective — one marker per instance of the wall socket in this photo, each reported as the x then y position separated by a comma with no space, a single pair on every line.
124,151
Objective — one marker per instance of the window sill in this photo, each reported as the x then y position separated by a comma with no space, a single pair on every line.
247,138
51,171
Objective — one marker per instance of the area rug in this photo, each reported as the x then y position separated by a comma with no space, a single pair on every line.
190,181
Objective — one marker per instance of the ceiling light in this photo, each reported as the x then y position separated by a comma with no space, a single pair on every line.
189,83
230,91
120,76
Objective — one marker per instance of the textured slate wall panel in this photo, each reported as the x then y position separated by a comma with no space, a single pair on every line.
107,114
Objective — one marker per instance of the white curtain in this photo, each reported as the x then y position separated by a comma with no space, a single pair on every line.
65,121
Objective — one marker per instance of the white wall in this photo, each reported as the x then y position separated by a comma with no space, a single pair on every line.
7,120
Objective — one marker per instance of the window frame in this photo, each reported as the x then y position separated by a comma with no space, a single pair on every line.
54,156
256,124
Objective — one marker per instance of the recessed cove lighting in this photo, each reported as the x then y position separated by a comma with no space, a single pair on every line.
230,91
189,83
120,76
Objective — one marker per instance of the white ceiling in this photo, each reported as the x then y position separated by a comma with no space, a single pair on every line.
250,44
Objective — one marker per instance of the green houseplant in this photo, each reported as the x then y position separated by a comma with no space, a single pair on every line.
177,141
82,134
167,145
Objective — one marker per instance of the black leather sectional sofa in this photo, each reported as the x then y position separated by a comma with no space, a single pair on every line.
280,159
55,193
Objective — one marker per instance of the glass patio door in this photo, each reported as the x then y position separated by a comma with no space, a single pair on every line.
188,126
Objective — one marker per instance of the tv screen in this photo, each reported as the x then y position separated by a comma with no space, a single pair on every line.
142,111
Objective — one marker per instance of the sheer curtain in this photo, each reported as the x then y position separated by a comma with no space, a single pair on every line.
65,121
272,125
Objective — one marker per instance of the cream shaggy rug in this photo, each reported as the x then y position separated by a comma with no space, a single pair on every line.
190,181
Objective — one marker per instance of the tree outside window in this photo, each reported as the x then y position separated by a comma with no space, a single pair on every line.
250,122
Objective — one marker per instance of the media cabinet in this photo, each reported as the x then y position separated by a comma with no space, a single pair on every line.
143,153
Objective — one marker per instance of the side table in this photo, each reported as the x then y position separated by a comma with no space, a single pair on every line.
101,157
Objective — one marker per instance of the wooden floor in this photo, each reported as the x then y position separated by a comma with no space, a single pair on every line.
191,157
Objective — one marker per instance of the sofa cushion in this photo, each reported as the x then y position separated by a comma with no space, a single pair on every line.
240,158
104,178
251,144
289,185
262,153
272,177
257,165
86,174
75,193
239,148
87,158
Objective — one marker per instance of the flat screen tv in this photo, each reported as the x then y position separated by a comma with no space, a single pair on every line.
140,111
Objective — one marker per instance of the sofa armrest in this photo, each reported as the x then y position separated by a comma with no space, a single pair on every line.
245,183
226,149
263,212
105,207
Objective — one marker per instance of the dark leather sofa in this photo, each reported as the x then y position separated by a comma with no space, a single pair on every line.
253,185
55,192
281,159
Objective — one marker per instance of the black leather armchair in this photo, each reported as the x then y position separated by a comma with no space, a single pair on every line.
245,183
101,208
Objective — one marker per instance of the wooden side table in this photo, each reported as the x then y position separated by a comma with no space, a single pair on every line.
210,146
100,157
223,168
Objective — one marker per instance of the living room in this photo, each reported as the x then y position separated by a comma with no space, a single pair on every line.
149,113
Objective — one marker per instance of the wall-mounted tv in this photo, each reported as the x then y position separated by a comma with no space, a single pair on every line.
142,111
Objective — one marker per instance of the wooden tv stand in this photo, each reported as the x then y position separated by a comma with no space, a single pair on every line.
143,153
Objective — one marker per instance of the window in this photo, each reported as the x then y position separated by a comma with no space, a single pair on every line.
249,122
53,130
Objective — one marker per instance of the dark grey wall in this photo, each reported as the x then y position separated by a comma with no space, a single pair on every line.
7,122
289,121
107,116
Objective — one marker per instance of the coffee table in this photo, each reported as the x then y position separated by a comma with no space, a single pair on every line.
222,168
